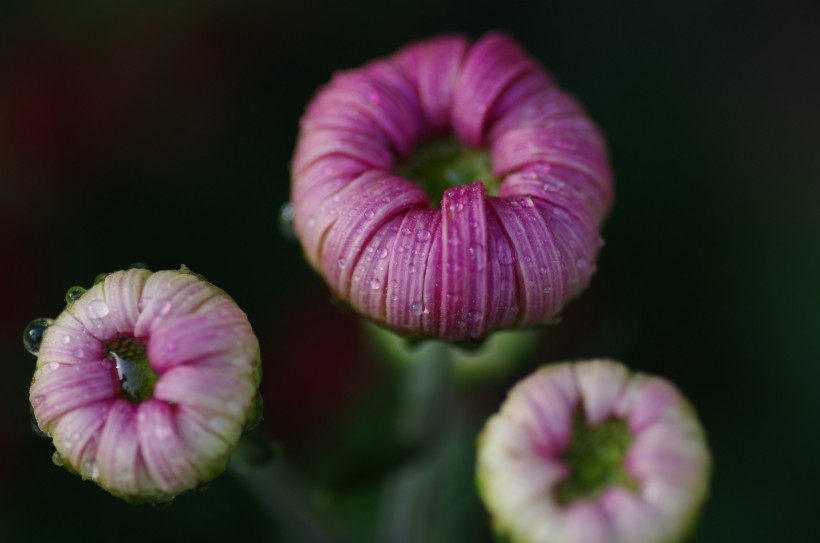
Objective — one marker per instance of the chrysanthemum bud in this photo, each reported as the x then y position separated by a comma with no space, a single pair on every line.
145,382
587,452
523,188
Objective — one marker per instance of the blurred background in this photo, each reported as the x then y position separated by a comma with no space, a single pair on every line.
161,132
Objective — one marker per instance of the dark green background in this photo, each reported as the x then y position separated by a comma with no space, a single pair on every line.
161,132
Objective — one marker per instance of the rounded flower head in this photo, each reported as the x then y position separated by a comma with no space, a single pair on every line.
587,453
526,185
145,382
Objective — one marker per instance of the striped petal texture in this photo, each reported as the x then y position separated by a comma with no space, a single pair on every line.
146,381
590,453
477,262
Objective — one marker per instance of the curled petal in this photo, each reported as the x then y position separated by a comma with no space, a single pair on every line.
562,461
513,259
146,381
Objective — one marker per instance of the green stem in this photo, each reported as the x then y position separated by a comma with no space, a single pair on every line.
426,416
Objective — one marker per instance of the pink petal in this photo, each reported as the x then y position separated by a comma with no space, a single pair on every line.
434,66
409,305
118,449
123,291
164,452
493,63
72,386
464,259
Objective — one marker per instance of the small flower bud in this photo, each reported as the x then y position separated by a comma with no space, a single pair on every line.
588,452
145,382
523,187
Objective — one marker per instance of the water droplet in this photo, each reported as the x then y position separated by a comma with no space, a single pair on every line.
382,253
311,222
90,470
456,207
473,316
98,309
33,334
422,236
395,297
286,221
369,214
73,293
138,266
478,257
417,308
375,284
100,277
527,202
57,459
411,268
582,263
505,255
66,339
164,308
341,262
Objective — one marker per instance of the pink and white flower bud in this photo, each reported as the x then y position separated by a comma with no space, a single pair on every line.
146,381
526,184
589,453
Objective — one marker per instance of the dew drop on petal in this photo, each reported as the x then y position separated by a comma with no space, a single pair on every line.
286,221
33,334
473,316
382,253
164,308
375,284
341,262
57,458
505,255
581,263
98,309
417,308
73,293
66,339
90,470
100,277
422,236
369,214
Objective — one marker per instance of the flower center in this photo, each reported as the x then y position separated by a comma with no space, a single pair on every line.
595,457
444,162
137,377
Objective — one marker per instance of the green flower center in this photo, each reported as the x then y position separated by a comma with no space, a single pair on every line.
595,457
444,162
137,377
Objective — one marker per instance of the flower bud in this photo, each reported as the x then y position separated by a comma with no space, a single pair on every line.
145,382
523,185
588,452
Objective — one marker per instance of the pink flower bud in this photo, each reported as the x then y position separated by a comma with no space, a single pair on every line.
145,382
493,255
588,452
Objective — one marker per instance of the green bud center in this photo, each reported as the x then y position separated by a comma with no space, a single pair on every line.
444,162
137,377
595,457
